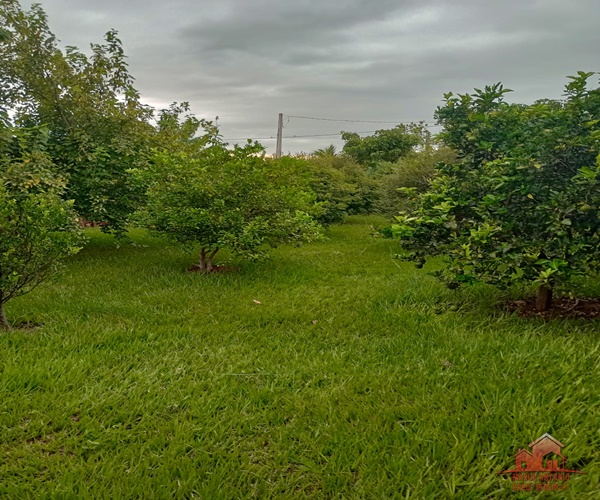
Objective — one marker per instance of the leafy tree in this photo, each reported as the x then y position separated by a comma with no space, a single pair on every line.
99,129
522,206
220,198
333,191
38,228
342,185
177,128
415,170
325,152
383,146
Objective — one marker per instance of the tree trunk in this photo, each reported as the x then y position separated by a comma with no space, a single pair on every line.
206,259
203,260
544,298
3,321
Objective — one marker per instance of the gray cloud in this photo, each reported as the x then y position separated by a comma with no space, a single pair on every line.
384,60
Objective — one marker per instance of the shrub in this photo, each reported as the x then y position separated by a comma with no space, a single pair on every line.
522,206
38,229
415,170
220,198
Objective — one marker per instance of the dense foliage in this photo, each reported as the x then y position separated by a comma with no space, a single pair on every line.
415,170
365,176
386,145
341,186
221,198
37,227
98,128
522,206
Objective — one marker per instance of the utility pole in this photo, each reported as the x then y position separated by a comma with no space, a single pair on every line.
279,134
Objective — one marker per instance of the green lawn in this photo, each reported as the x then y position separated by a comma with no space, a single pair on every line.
350,379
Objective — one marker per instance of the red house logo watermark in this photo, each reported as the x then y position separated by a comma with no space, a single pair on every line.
541,469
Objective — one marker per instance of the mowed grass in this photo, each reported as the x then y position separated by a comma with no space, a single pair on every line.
350,379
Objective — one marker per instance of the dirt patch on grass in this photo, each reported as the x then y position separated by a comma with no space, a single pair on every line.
216,269
41,440
562,307
24,326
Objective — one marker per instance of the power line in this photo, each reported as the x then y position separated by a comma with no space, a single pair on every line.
295,136
354,121
335,120
251,138
327,135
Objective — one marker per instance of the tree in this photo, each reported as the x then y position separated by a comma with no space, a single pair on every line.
38,228
334,192
383,146
221,198
342,186
325,152
522,206
415,170
98,128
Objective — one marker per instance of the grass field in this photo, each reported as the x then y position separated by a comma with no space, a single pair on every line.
350,379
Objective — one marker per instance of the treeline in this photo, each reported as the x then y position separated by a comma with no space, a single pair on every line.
367,175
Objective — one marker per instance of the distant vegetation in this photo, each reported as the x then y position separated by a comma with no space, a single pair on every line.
367,175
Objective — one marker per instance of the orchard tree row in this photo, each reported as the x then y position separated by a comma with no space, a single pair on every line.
76,142
507,193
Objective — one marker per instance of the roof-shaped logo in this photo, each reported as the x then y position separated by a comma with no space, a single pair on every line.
545,456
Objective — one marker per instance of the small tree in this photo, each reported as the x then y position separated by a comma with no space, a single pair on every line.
38,229
523,204
386,145
342,186
221,198
415,170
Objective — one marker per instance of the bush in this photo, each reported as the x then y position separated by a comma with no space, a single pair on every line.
341,186
220,198
38,229
523,204
416,170
332,190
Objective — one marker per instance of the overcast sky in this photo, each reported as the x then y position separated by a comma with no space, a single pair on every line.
383,60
